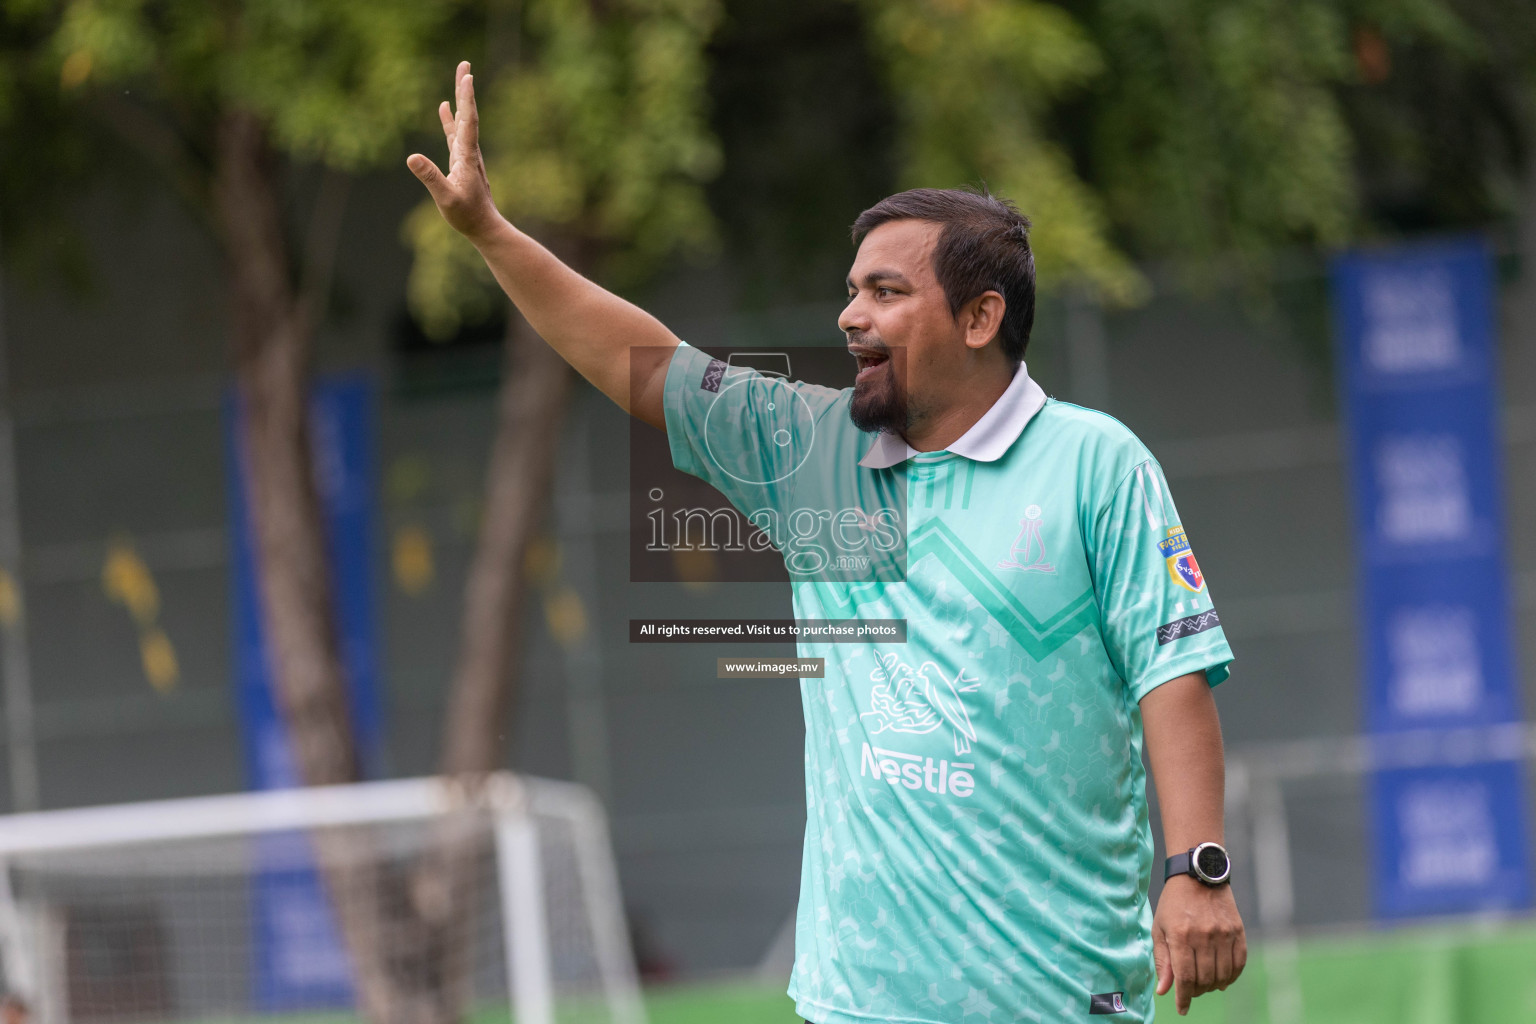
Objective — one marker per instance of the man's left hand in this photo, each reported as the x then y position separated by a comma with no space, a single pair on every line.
1197,939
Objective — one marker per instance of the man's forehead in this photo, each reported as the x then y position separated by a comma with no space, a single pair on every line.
902,246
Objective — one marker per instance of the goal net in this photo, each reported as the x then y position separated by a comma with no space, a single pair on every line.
404,902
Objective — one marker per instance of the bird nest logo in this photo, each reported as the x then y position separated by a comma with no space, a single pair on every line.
918,702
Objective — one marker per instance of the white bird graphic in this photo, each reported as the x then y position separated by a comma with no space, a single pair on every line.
904,701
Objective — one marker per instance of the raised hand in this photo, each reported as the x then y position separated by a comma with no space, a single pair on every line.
463,195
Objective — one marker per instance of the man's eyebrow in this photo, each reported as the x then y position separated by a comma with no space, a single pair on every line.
874,277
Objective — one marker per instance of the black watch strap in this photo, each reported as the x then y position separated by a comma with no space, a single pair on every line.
1178,864
1185,864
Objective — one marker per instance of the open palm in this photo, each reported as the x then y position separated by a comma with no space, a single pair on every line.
463,195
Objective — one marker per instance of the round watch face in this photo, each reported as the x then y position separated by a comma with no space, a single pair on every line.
1211,861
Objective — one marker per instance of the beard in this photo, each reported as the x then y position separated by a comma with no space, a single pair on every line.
879,403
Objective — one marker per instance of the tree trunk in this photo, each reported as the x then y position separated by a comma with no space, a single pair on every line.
272,333
530,412
272,343
408,927
530,417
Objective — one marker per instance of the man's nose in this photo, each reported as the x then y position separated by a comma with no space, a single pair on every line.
853,317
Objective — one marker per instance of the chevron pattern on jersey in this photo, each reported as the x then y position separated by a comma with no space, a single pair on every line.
1038,638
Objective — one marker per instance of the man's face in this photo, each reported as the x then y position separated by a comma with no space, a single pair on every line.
899,327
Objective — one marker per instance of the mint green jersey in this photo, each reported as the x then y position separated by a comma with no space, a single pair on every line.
977,845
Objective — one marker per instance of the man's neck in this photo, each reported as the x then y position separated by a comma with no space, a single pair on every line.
938,431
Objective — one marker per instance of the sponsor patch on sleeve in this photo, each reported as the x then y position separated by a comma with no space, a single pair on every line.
1181,560
1187,626
714,373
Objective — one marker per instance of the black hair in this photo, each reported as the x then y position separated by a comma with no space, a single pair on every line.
984,247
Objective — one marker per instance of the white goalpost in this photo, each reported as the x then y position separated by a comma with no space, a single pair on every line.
418,901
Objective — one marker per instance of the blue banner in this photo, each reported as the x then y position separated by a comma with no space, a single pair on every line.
299,958
1417,345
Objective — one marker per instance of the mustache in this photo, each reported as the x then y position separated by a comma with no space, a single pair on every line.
868,341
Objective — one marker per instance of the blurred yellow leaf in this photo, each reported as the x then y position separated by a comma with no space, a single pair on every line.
159,659
10,600
75,70
410,557
127,581
542,562
697,568
566,616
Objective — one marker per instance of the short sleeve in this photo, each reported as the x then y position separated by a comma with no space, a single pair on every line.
1159,621
744,432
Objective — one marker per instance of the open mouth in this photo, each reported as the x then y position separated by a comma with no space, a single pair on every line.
869,362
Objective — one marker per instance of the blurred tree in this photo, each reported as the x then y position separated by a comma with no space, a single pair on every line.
975,83
212,96
1442,111
808,135
601,131
593,126
1224,130
1210,134
237,107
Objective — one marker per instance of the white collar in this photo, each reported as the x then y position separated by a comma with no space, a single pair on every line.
988,438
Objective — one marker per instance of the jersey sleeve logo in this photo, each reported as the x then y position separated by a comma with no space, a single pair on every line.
714,373
1187,626
1181,560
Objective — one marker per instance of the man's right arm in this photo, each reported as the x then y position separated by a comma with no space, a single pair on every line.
591,328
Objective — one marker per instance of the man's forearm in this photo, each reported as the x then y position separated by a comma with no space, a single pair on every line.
1197,933
1183,735
592,328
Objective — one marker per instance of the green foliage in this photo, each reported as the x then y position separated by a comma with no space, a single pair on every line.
1221,133
808,137
337,82
1225,128
975,83
595,130
49,153
1442,125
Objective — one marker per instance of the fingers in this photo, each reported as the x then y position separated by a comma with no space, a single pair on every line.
1160,959
1222,964
1185,973
1205,968
430,176
468,120
445,115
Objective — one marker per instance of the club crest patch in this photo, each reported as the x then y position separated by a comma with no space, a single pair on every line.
1181,560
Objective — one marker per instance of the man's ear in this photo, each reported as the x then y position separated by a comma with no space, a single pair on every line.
983,318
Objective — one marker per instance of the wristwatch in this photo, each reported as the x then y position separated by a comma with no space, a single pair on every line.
1207,863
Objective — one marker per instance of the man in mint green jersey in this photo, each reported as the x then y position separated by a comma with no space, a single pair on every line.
977,843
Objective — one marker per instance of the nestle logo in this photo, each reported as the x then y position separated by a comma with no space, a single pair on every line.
914,771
